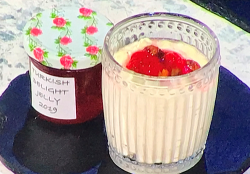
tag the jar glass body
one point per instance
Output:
(157, 124)
(87, 93)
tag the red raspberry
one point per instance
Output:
(155, 62)
(185, 70)
(145, 63)
(192, 65)
(173, 60)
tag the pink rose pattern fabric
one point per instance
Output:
(65, 40)
(93, 52)
(40, 54)
(91, 30)
(61, 24)
(85, 11)
(35, 31)
(66, 61)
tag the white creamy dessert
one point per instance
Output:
(153, 124)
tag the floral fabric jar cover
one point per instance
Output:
(68, 38)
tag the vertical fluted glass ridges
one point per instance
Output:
(158, 125)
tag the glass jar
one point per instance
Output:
(158, 124)
(64, 48)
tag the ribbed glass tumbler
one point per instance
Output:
(158, 124)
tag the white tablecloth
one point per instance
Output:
(234, 42)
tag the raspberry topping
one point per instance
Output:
(153, 61)
(145, 63)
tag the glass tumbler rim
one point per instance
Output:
(215, 58)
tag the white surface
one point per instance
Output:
(235, 43)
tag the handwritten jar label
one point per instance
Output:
(52, 96)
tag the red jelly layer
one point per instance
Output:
(87, 92)
(153, 61)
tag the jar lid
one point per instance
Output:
(66, 38)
